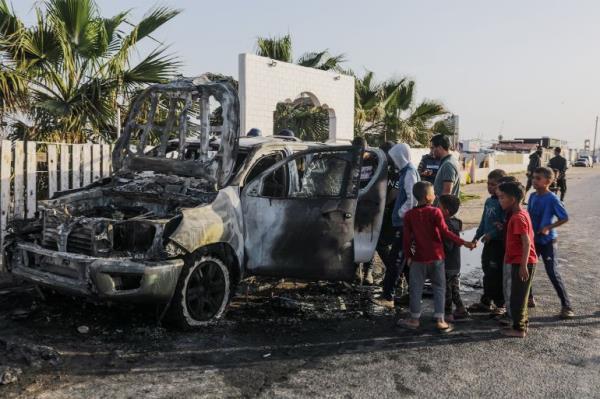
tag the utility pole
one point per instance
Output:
(595, 135)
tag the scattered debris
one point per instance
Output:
(266, 355)
(341, 303)
(9, 375)
(291, 304)
(83, 329)
(33, 355)
(20, 314)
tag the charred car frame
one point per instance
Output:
(188, 212)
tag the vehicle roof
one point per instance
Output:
(249, 143)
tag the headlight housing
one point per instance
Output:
(134, 236)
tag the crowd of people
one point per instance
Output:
(420, 238)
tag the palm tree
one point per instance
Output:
(68, 72)
(386, 111)
(304, 118)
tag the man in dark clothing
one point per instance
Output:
(386, 236)
(428, 167)
(535, 161)
(559, 165)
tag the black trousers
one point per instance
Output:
(529, 183)
(562, 186)
(393, 266)
(492, 261)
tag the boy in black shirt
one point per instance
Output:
(449, 204)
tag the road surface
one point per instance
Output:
(320, 340)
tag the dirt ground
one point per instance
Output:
(292, 339)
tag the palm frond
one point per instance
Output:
(155, 68)
(277, 48)
(322, 60)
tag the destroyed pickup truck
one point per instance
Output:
(190, 210)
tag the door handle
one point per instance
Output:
(345, 215)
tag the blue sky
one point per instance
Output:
(520, 68)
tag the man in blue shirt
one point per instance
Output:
(547, 213)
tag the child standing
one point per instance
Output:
(449, 204)
(547, 213)
(520, 254)
(492, 256)
(424, 226)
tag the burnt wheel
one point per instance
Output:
(202, 294)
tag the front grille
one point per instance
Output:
(50, 235)
(79, 240)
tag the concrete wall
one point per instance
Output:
(510, 163)
(264, 83)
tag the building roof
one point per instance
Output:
(514, 146)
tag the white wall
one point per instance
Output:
(264, 83)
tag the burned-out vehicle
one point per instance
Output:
(180, 223)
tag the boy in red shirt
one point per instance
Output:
(424, 226)
(520, 254)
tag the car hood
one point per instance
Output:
(180, 112)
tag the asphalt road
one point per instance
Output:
(317, 341)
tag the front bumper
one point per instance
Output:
(103, 278)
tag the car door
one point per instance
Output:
(370, 208)
(308, 231)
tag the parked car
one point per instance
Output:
(182, 223)
(583, 161)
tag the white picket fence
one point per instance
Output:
(67, 166)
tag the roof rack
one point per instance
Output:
(285, 138)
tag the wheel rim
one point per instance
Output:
(205, 291)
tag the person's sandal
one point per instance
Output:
(499, 311)
(444, 327)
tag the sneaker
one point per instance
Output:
(531, 302)
(384, 303)
(511, 332)
(368, 278)
(409, 324)
(566, 313)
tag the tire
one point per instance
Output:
(202, 293)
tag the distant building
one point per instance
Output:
(517, 145)
(544, 141)
(470, 145)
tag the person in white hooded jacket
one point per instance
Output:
(408, 176)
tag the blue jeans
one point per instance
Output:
(437, 274)
(548, 254)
